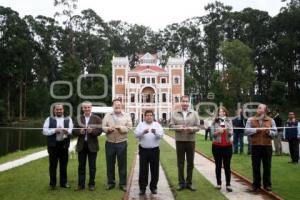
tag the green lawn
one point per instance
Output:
(285, 177)
(20, 154)
(31, 180)
(205, 190)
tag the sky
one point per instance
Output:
(155, 13)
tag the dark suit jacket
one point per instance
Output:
(92, 140)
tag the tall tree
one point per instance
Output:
(213, 26)
(286, 49)
(238, 74)
(16, 59)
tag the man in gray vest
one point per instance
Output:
(58, 130)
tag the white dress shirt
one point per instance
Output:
(87, 119)
(59, 124)
(149, 140)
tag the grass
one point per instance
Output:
(205, 189)
(31, 180)
(19, 154)
(285, 177)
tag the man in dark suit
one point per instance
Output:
(87, 144)
(58, 130)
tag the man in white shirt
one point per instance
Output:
(58, 130)
(149, 134)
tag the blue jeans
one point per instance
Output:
(238, 141)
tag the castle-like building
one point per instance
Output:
(148, 86)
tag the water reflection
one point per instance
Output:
(14, 140)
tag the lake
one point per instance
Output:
(15, 140)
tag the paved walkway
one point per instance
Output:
(207, 169)
(163, 189)
(29, 158)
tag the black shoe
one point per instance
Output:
(52, 187)
(142, 192)
(268, 188)
(253, 189)
(228, 188)
(65, 186)
(180, 187)
(109, 187)
(190, 187)
(79, 188)
(123, 188)
(154, 191)
(91, 187)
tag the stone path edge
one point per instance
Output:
(126, 194)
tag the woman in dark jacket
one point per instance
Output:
(222, 145)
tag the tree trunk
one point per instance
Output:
(21, 101)
(8, 101)
(25, 96)
(25, 99)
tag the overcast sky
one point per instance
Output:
(155, 13)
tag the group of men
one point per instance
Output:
(59, 128)
(261, 129)
(87, 127)
(184, 121)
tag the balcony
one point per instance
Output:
(137, 85)
(143, 105)
(132, 85)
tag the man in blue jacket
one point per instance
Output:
(291, 133)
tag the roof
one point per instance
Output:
(147, 56)
(142, 68)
